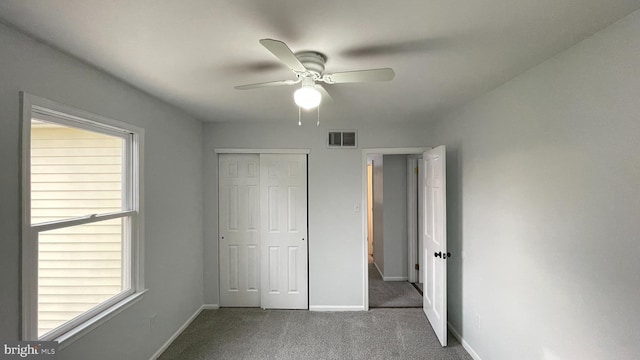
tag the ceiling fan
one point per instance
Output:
(308, 66)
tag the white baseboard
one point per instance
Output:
(395, 278)
(465, 344)
(182, 328)
(336, 308)
(390, 278)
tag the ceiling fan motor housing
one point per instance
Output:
(313, 62)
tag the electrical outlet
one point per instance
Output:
(356, 208)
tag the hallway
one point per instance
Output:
(391, 294)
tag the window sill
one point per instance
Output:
(79, 331)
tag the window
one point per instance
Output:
(82, 222)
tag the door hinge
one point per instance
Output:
(417, 266)
(415, 169)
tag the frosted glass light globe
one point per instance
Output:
(307, 97)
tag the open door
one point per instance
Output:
(434, 237)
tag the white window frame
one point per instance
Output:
(36, 107)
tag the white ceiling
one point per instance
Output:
(191, 53)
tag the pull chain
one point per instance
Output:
(300, 117)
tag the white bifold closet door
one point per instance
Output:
(263, 230)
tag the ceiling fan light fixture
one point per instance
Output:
(307, 97)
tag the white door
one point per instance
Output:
(239, 225)
(283, 197)
(435, 240)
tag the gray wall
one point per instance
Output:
(395, 217)
(543, 198)
(336, 243)
(173, 187)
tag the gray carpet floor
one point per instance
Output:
(237, 333)
(391, 293)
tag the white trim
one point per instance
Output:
(86, 319)
(47, 115)
(79, 331)
(137, 202)
(336, 308)
(464, 344)
(260, 151)
(364, 202)
(29, 241)
(210, 307)
(396, 151)
(55, 109)
(412, 217)
(59, 224)
(178, 332)
(395, 278)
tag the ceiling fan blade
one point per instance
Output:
(267, 84)
(326, 97)
(404, 47)
(282, 52)
(385, 74)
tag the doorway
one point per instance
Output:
(389, 225)
(416, 264)
(432, 228)
(262, 203)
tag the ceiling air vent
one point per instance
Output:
(342, 139)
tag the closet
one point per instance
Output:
(262, 222)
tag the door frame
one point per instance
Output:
(219, 151)
(365, 204)
(412, 217)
